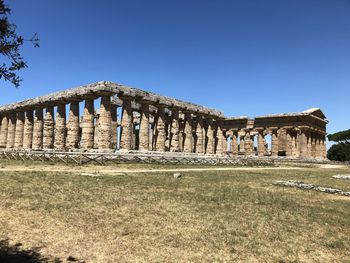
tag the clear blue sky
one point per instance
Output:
(243, 57)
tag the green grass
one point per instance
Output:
(212, 216)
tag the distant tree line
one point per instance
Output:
(341, 150)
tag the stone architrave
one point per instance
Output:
(127, 125)
(161, 133)
(19, 130)
(28, 130)
(38, 129)
(187, 134)
(49, 128)
(4, 131)
(60, 127)
(87, 125)
(73, 128)
(200, 142)
(144, 128)
(175, 131)
(11, 131)
(105, 121)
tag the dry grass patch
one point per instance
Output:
(208, 216)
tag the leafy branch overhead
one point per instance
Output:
(342, 136)
(10, 44)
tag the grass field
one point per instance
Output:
(205, 216)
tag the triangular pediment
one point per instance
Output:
(316, 112)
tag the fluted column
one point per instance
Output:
(28, 130)
(11, 131)
(248, 144)
(175, 131)
(187, 134)
(38, 129)
(303, 143)
(127, 125)
(144, 128)
(73, 128)
(234, 143)
(220, 139)
(274, 142)
(87, 125)
(114, 126)
(210, 137)
(161, 134)
(261, 143)
(105, 121)
(19, 130)
(200, 142)
(288, 143)
(4, 130)
(60, 127)
(49, 128)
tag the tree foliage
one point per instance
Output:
(342, 136)
(10, 44)
(341, 150)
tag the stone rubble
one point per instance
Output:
(305, 186)
(342, 176)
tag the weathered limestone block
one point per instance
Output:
(127, 125)
(38, 129)
(87, 125)
(28, 130)
(19, 130)
(144, 128)
(114, 127)
(60, 127)
(274, 142)
(73, 128)
(11, 131)
(200, 142)
(161, 133)
(210, 137)
(105, 121)
(4, 130)
(175, 130)
(261, 143)
(187, 135)
(49, 128)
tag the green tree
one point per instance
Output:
(10, 44)
(341, 150)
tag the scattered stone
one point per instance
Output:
(305, 186)
(177, 175)
(342, 176)
(90, 174)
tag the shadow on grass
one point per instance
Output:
(16, 254)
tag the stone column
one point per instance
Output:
(19, 130)
(127, 125)
(220, 138)
(175, 131)
(60, 127)
(210, 137)
(297, 143)
(248, 144)
(105, 121)
(87, 125)
(38, 129)
(312, 145)
(73, 128)
(144, 128)
(4, 130)
(200, 142)
(28, 130)
(261, 143)
(303, 142)
(161, 135)
(289, 142)
(274, 142)
(114, 127)
(234, 143)
(49, 128)
(187, 134)
(11, 131)
(241, 141)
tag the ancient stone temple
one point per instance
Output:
(109, 117)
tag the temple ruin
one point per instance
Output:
(132, 120)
